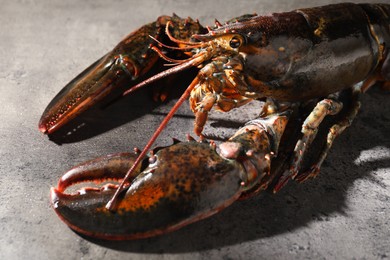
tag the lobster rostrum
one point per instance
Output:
(288, 59)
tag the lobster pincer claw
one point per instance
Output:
(91, 86)
(181, 184)
(178, 185)
(125, 65)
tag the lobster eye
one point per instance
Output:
(235, 42)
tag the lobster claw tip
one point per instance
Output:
(54, 197)
(84, 91)
(43, 129)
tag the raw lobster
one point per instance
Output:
(287, 59)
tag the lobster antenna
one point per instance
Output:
(168, 33)
(186, 47)
(193, 62)
(112, 204)
(163, 56)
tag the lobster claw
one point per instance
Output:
(125, 65)
(181, 184)
(89, 87)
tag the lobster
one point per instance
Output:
(288, 60)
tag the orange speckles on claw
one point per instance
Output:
(144, 199)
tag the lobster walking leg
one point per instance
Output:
(334, 131)
(309, 130)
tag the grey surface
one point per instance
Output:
(344, 213)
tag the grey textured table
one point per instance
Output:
(344, 213)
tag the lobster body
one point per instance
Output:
(298, 55)
(307, 59)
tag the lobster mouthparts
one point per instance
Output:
(181, 184)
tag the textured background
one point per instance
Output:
(344, 213)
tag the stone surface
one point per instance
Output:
(342, 214)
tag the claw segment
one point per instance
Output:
(76, 96)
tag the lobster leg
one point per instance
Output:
(334, 131)
(386, 71)
(310, 127)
